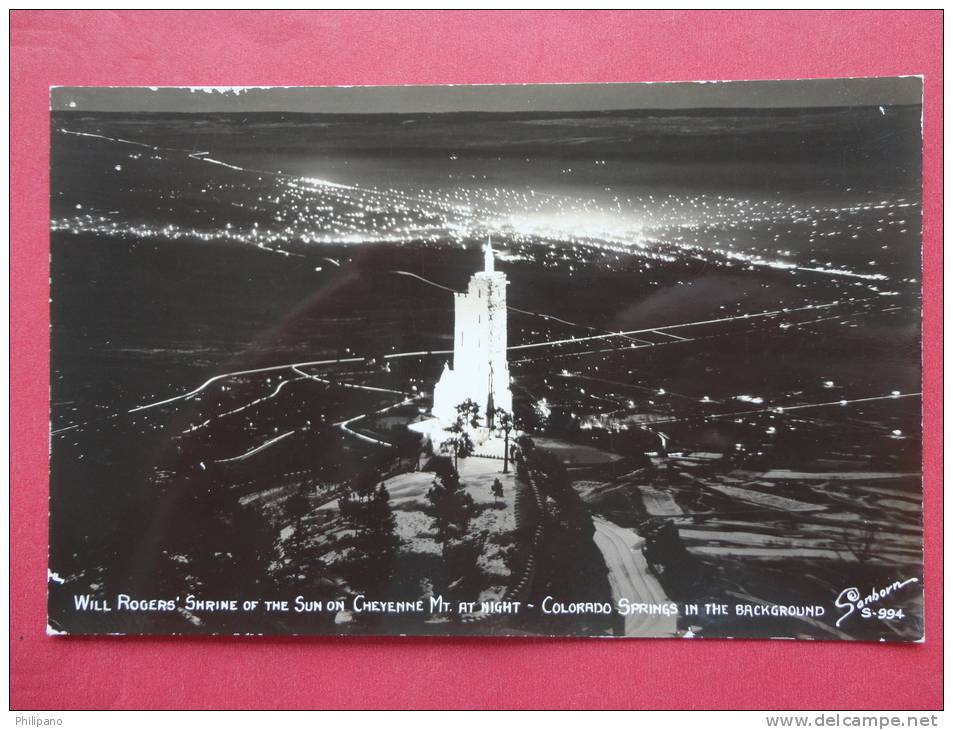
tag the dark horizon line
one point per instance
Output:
(534, 97)
(721, 111)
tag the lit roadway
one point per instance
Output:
(629, 578)
(296, 368)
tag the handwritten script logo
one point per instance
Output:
(850, 600)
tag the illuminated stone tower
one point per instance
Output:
(480, 371)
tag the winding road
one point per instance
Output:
(629, 578)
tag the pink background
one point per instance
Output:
(360, 47)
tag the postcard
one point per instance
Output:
(607, 360)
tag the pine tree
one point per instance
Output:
(459, 442)
(505, 422)
(367, 511)
(450, 504)
(469, 412)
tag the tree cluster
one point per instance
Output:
(372, 544)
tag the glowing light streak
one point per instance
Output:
(574, 340)
(802, 406)
(237, 373)
(257, 449)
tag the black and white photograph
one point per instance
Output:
(588, 360)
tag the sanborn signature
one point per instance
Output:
(850, 599)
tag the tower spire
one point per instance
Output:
(488, 256)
